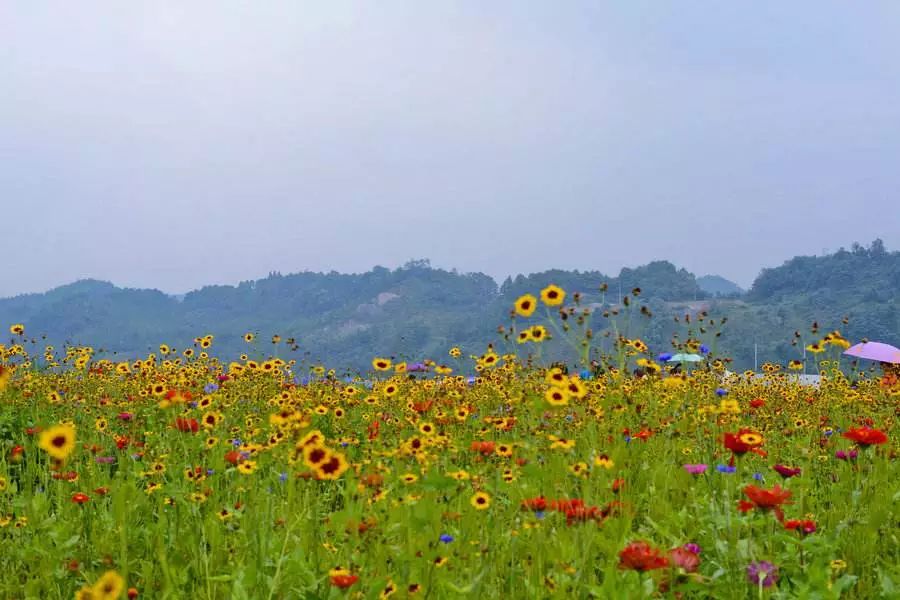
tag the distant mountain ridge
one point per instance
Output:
(417, 311)
(719, 286)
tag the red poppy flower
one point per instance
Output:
(772, 499)
(187, 425)
(757, 403)
(804, 527)
(16, 454)
(79, 498)
(641, 556)
(866, 436)
(233, 457)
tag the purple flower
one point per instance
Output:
(725, 469)
(446, 538)
(664, 357)
(695, 469)
(210, 388)
(704, 349)
(721, 392)
(762, 572)
(105, 460)
(758, 476)
(692, 547)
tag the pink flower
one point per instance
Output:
(684, 558)
(125, 416)
(695, 469)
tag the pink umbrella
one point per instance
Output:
(875, 351)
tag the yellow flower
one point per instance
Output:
(525, 305)
(481, 500)
(58, 441)
(553, 295)
(17, 329)
(247, 467)
(604, 462)
(109, 587)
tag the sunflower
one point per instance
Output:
(315, 454)
(480, 500)
(247, 466)
(58, 441)
(553, 295)
(100, 424)
(525, 305)
(538, 333)
(381, 364)
(556, 396)
(409, 478)
(332, 468)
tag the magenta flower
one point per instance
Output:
(787, 472)
(848, 455)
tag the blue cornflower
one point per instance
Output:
(539, 514)
(210, 471)
(704, 349)
(627, 438)
(725, 469)
(446, 538)
(210, 388)
(665, 356)
(721, 392)
(283, 477)
(236, 442)
(758, 476)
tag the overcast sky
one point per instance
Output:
(176, 144)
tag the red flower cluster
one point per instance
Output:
(641, 556)
(575, 509)
(484, 448)
(866, 436)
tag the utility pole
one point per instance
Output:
(755, 357)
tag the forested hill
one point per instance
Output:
(417, 311)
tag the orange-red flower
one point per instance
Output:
(483, 447)
(79, 498)
(187, 425)
(641, 556)
(866, 436)
(772, 499)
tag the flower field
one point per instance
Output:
(180, 476)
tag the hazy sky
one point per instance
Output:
(174, 144)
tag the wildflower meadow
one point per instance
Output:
(484, 473)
